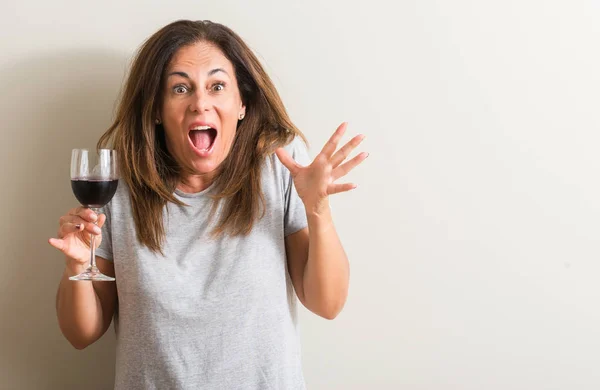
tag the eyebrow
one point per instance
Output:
(185, 75)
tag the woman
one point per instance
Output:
(210, 237)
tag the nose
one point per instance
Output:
(200, 101)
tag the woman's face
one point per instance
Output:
(200, 109)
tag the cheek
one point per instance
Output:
(172, 110)
(231, 110)
(230, 129)
(174, 143)
(172, 115)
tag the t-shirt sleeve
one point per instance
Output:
(105, 248)
(295, 214)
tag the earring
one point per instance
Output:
(241, 116)
(157, 121)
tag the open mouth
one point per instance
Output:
(203, 137)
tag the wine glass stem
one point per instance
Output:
(93, 245)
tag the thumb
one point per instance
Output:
(57, 243)
(287, 161)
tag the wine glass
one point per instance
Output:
(94, 180)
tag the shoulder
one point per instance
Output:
(275, 174)
(297, 147)
(298, 150)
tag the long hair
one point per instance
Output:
(146, 166)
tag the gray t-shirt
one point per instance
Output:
(212, 313)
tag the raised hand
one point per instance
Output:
(315, 182)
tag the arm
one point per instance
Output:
(85, 309)
(318, 266)
(317, 261)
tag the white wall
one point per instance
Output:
(473, 235)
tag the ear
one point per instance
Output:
(158, 118)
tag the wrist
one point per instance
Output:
(319, 219)
(73, 267)
(319, 209)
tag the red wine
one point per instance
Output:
(94, 193)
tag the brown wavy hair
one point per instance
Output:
(146, 166)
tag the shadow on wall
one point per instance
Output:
(49, 105)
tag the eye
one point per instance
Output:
(218, 87)
(180, 89)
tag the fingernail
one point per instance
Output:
(97, 230)
(93, 217)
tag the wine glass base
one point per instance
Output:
(91, 274)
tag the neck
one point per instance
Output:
(195, 183)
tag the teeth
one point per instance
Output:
(201, 128)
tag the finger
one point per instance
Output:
(57, 243)
(69, 218)
(343, 169)
(288, 161)
(85, 213)
(74, 219)
(337, 188)
(331, 145)
(75, 211)
(78, 211)
(345, 151)
(69, 228)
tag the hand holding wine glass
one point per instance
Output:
(75, 228)
(94, 186)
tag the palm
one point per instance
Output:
(77, 245)
(315, 182)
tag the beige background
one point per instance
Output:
(473, 235)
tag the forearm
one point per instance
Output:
(78, 310)
(326, 275)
